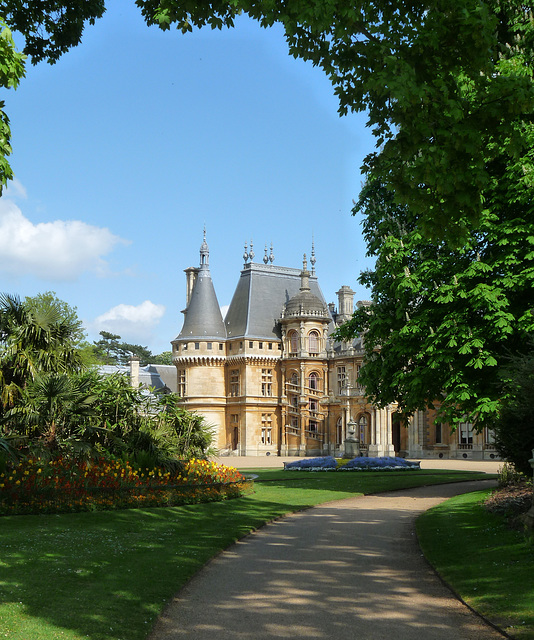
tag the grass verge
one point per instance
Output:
(107, 575)
(487, 564)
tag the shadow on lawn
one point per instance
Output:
(107, 575)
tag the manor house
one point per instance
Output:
(272, 381)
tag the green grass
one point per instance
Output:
(107, 575)
(489, 566)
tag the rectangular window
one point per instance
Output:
(221, 346)
(267, 382)
(250, 344)
(313, 426)
(184, 346)
(197, 345)
(240, 345)
(270, 345)
(266, 428)
(230, 347)
(465, 431)
(234, 382)
(279, 346)
(234, 418)
(312, 404)
(341, 380)
(181, 383)
(260, 345)
(438, 432)
(210, 345)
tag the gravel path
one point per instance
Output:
(346, 570)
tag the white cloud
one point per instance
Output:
(132, 323)
(60, 250)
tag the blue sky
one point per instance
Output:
(136, 139)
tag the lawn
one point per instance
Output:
(490, 566)
(107, 575)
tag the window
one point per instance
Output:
(270, 345)
(294, 379)
(362, 422)
(266, 428)
(210, 345)
(234, 418)
(295, 401)
(267, 382)
(279, 347)
(230, 347)
(234, 382)
(313, 380)
(240, 345)
(465, 432)
(312, 404)
(437, 426)
(260, 345)
(489, 436)
(250, 344)
(312, 426)
(339, 430)
(221, 346)
(181, 383)
(341, 380)
(358, 367)
(197, 345)
(293, 341)
(184, 346)
(313, 342)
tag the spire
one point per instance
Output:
(265, 257)
(313, 260)
(245, 255)
(251, 253)
(271, 255)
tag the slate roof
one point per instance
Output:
(148, 376)
(203, 319)
(260, 295)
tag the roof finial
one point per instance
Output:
(271, 255)
(245, 255)
(304, 276)
(265, 257)
(313, 260)
(251, 253)
(204, 252)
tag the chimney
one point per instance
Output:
(190, 278)
(134, 371)
(345, 304)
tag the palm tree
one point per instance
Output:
(33, 340)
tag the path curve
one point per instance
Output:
(350, 569)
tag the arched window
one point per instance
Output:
(293, 342)
(313, 342)
(313, 380)
(294, 378)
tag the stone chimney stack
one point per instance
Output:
(134, 371)
(345, 305)
(191, 274)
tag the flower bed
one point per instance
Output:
(328, 463)
(35, 486)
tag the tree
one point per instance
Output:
(514, 428)
(447, 86)
(162, 358)
(34, 339)
(443, 321)
(110, 351)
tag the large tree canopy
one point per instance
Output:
(442, 322)
(447, 84)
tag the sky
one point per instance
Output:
(135, 140)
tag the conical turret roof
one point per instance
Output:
(203, 319)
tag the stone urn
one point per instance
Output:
(352, 443)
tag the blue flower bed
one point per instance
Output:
(379, 464)
(327, 463)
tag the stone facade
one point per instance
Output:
(272, 381)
